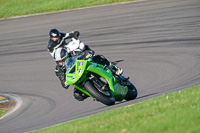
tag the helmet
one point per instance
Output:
(54, 35)
(60, 54)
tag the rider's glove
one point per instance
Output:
(89, 54)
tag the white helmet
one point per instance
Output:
(60, 54)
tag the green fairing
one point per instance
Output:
(118, 91)
(72, 78)
(78, 72)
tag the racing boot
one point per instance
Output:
(116, 70)
(60, 73)
(78, 95)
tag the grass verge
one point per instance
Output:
(2, 112)
(176, 112)
(11, 8)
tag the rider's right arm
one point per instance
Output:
(72, 34)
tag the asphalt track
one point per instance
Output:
(157, 41)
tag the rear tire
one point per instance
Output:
(132, 93)
(89, 87)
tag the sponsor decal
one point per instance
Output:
(81, 63)
(79, 72)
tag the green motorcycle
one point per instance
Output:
(97, 81)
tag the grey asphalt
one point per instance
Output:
(157, 42)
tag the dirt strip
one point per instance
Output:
(8, 104)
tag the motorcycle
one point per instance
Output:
(97, 81)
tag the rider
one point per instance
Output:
(60, 56)
(59, 49)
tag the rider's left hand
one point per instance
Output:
(89, 54)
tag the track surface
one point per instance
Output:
(158, 41)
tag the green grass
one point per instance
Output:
(11, 8)
(2, 112)
(177, 112)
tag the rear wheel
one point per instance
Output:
(132, 92)
(89, 87)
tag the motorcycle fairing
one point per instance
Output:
(117, 91)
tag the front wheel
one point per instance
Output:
(89, 87)
(132, 92)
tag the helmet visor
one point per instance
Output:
(54, 38)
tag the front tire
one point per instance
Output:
(89, 87)
(132, 93)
